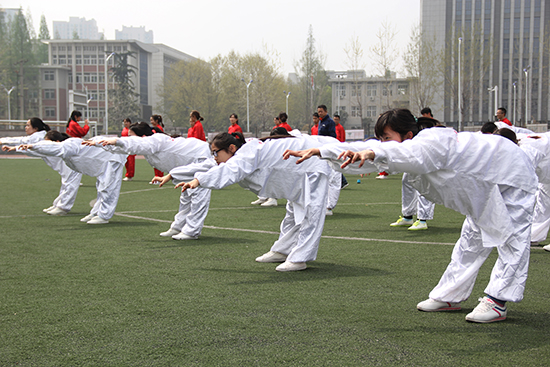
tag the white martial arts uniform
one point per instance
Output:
(412, 203)
(165, 154)
(259, 166)
(539, 152)
(70, 180)
(106, 167)
(517, 130)
(472, 174)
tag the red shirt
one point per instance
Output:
(196, 132)
(315, 130)
(506, 121)
(124, 132)
(340, 133)
(235, 129)
(76, 131)
(285, 125)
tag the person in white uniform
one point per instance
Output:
(470, 173)
(36, 130)
(257, 165)
(412, 203)
(106, 167)
(172, 155)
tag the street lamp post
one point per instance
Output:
(459, 87)
(339, 76)
(494, 89)
(9, 105)
(514, 112)
(287, 95)
(107, 94)
(247, 106)
(526, 71)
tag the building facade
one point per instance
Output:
(359, 98)
(79, 66)
(134, 33)
(79, 27)
(496, 55)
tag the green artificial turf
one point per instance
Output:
(73, 294)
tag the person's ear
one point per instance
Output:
(409, 135)
(232, 148)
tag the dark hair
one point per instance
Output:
(323, 107)
(503, 111)
(315, 114)
(197, 115)
(224, 140)
(279, 131)
(73, 117)
(38, 124)
(283, 116)
(402, 121)
(426, 110)
(336, 115)
(55, 135)
(158, 119)
(235, 116)
(507, 133)
(489, 128)
(127, 119)
(141, 129)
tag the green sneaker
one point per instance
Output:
(402, 222)
(418, 226)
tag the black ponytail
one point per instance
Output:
(38, 124)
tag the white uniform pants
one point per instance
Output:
(108, 190)
(509, 273)
(192, 211)
(334, 187)
(70, 183)
(413, 203)
(541, 219)
(301, 241)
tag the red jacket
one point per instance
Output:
(196, 131)
(340, 133)
(506, 121)
(315, 130)
(234, 129)
(285, 125)
(76, 131)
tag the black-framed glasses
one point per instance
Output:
(215, 152)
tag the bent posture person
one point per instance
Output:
(470, 173)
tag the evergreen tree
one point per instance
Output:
(123, 96)
(42, 48)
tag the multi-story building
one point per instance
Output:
(134, 33)
(502, 47)
(79, 65)
(359, 98)
(84, 29)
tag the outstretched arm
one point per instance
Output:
(162, 180)
(188, 185)
(303, 154)
(352, 157)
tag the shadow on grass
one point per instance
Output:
(203, 241)
(315, 271)
(347, 216)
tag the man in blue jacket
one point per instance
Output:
(327, 127)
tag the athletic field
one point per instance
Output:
(73, 294)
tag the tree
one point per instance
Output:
(124, 97)
(419, 60)
(384, 55)
(354, 54)
(43, 34)
(312, 88)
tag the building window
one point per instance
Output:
(70, 79)
(355, 111)
(78, 60)
(371, 111)
(341, 90)
(402, 89)
(49, 75)
(49, 112)
(386, 90)
(62, 60)
(356, 89)
(371, 90)
(78, 78)
(49, 93)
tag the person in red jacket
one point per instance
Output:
(315, 127)
(158, 126)
(234, 128)
(196, 130)
(282, 121)
(340, 131)
(74, 130)
(131, 160)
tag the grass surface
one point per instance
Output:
(73, 294)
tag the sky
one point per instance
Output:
(206, 28)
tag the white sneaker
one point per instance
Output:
(402, 222)
(381, 177)
(431, 305)
(258, 202)
(57, 212)
(183, 236)
(97, 220)
(154, 183)
(547, 247)
(329, 212)
(418, 226)
(48, 209)
(270, 202)
(127, 179)
(290, 266)
(271, 257)
(487, 311)
(169, 233)
(87, 218)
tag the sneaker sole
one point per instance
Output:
(417, 229)
(486, 321)
(443, 309)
